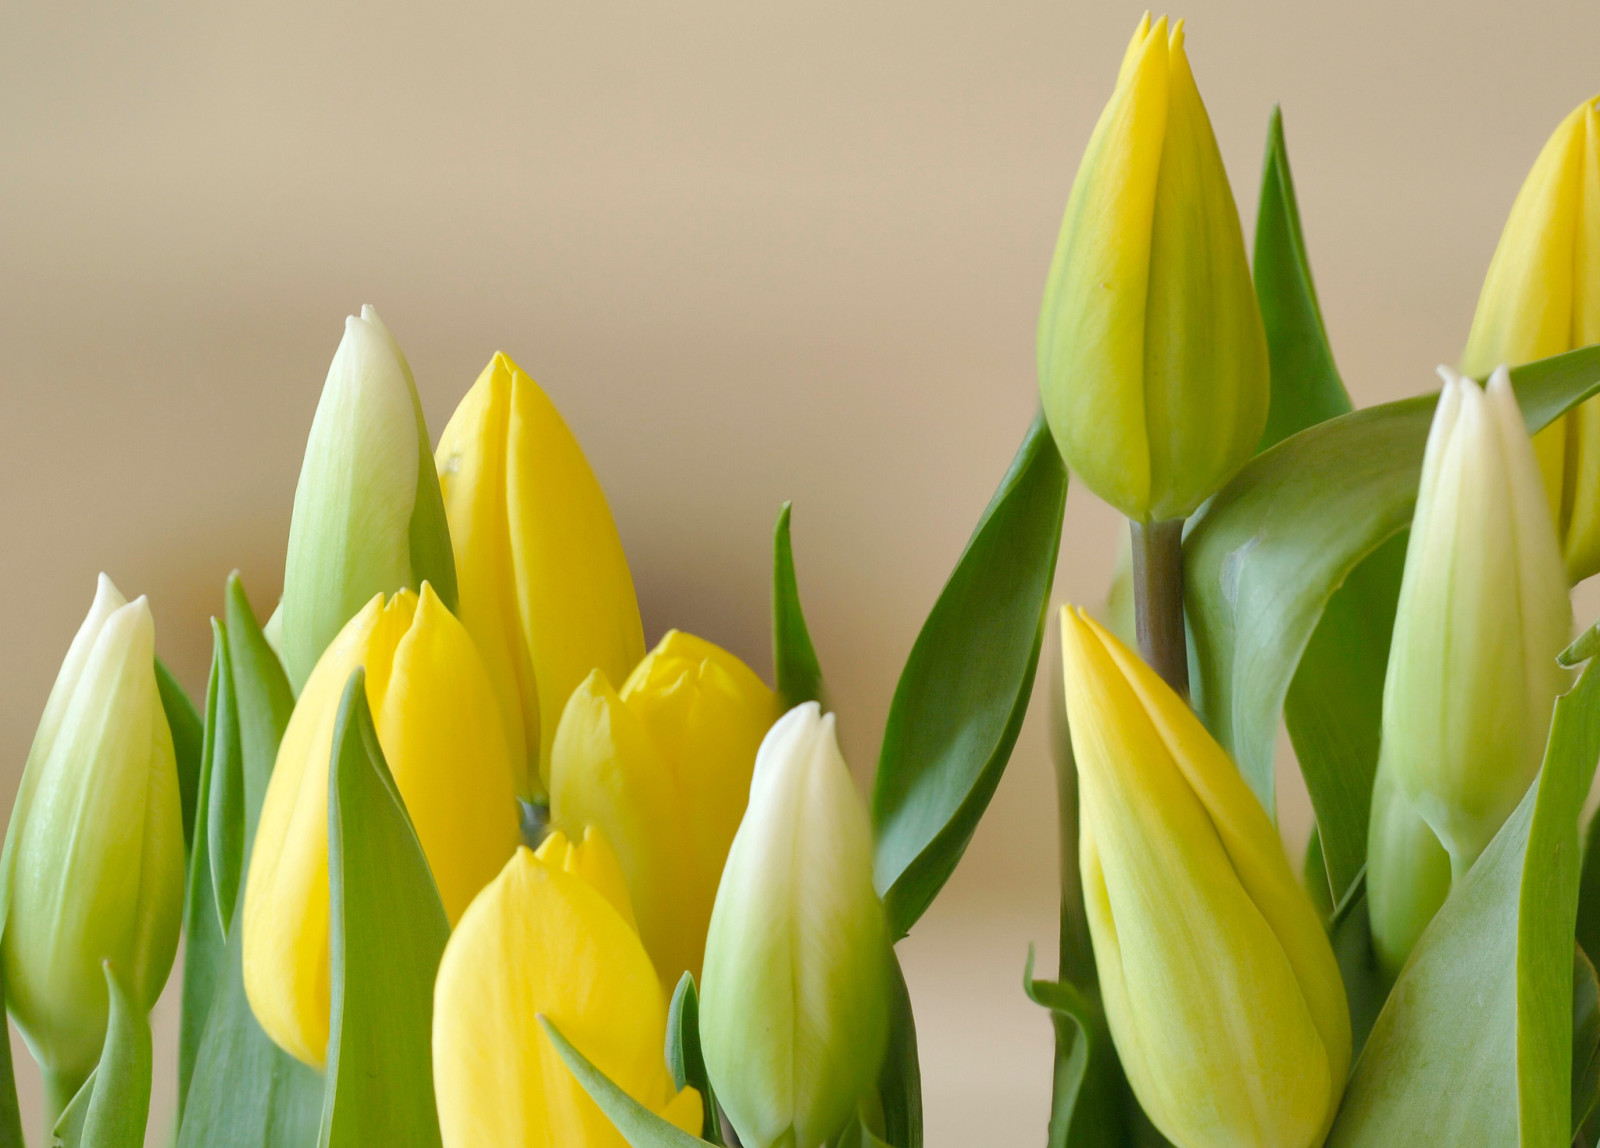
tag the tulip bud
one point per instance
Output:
(93, 868)
(1542, 297)
(1152, 356)
(540, 941)
(367, 513)
(440, 732)
(1221, 991)
(1472, 675)
(794, 1013)
(664, 770)
(545, 588)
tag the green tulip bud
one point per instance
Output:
(1152, 356)
(794, 1012)
(1472, 675)
(93, 868)
(368, 515)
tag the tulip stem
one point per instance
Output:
(1158, 599)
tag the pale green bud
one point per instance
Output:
(1472, 674)
(1152, 356)
(93, 868)
(368, 515)
(794, 1009)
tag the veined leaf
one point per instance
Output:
(187, 732)
(794, 658)
(113, 1106)
(900, 1078)
(388, 932)
(1263, 558)
(1474, 1045)
(640, 1127)
(684, 1057)
(965, 688)
(265, 701)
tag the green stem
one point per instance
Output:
(59, 1089)
(1158, 599)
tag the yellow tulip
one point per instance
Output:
(593, 859)
(1221, 990)
(1152, 355)
(544, 584)
(541, 941)
(663, 769)
(440, 731)
(1542, 297)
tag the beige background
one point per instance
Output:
(753, 251)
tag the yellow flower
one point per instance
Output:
(1542, 297)
(544, 584)
(541, 941)
(93, 861)
(1221, 990)
(440, 732)
(663, 769)
(1152, 356)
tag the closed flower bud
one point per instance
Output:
(1221, 990)
(541, 941)
(367, 513)
(1472, 675)
(1152, 356)
(1542, 297)
(441, 735)
(794, 1009)
(663, 768)
(545, 587)
(93, 868)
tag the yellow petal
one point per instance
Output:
(472, 475)
(542, 942)
(595, 861)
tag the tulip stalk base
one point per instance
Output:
(1158, 599)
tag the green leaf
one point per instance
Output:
(187, 731)
(640, 1127)
(264, 699)
(793, 656)
(684, 1057)
(223, 813)
(965, 688)
(1585, 1040)
(1088, 1096)
(1474, 1045)
(1306, 388)
(113, 1106)
(433, 559)
(1264, 557)
(388, 931)
(204, 945)
(10, 1114)
(1588, 932)
(900, 1078)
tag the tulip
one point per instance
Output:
(1472, 676)
(545, 588)
(1221, 990)
(367, 513)
(541, 941)
(663, 768)
(1152, 356)
(435, 715)
(93, 868)
(1542, 297)
(591, 858)
(794, 1014)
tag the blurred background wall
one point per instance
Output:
(753, 251)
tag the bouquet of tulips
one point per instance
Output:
(457, 862)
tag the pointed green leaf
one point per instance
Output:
(388, 931)
(264, 700)
(640, 1127)
(224, 813)
(900, 1079)
(1589, 890)
(1585, 1040)
(432, 558)
(113, 1106)
(1263, 558)
(1474, 1045)
(965, 688)
(203, 945)
(794, 658)
(10, 1115)
(1087, 1098)
(684, 1058)
(187, 732)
